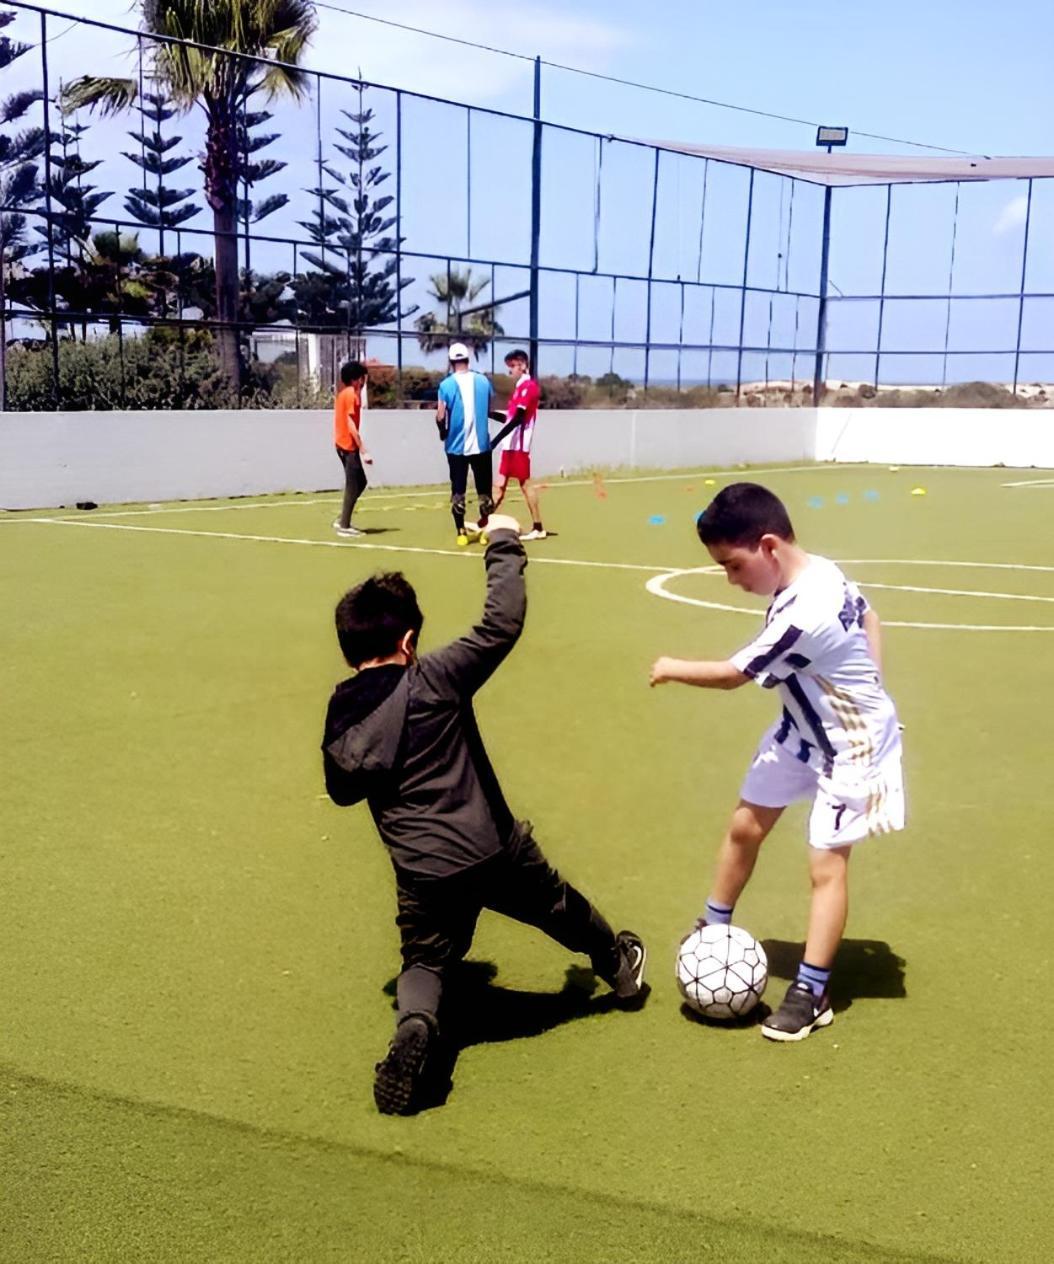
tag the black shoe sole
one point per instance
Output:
(398, 1075)
(624, 993)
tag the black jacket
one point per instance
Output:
(406, 740)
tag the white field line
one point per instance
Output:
(915, 561)
(555, 481)
(661, 575)
(15, 515)
(657, 587)
(333, 544)
(954, 592)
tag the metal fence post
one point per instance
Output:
(398, 247)
(52, 322)
(882, 289)
(821, 314)
(743, 290)
(1021, 296)
(651, 266)
(536, 211)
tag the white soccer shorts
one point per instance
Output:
(845, 809)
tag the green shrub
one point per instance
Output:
(561, 392)
(616, 388)
(107, 373)
(978, 395)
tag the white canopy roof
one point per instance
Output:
(846, 168)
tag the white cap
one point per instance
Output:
(458, 351)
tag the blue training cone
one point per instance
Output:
(656, 520)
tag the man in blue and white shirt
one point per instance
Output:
(461, 415)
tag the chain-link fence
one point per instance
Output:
(194, 228)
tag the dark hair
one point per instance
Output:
(351, 372)
(373, 617)
(741, 514)
(518, 354)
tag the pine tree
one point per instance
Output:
(157, 205)
(252, 172)
(19, 171)
(356, 286)
(73, 202)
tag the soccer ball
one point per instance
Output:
(722, 971)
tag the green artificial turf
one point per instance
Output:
(195, 945)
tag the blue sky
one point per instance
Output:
(965, 75)
(961, 73)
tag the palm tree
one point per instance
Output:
(202, 72)
(458, 290)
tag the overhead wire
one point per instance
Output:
(626, 83)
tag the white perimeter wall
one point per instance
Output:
(53, 459)
(936, 436)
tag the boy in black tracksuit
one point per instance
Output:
(401, 734)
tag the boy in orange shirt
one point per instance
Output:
(347, 415)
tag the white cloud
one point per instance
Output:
(387, 55)
(1012, 216)
(346, 45)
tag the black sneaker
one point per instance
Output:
(800, 1014)
(399, 1074)
(627, 978)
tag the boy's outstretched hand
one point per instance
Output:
(660, 671)
(502, 522)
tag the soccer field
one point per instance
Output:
(197, 948)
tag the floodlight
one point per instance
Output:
(832, 136)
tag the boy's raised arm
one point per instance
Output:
(468, 662)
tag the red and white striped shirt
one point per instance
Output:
(526, 395)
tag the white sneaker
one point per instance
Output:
(534, 534)
(347, 531)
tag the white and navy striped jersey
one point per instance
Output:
(837, 718)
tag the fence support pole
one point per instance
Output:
(821, 314)
(743, 291)
(398, 247)
(53, 322)
(1021, 296)
(651, 268)
(882, 290)
(536, 211)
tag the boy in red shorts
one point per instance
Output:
(516, 448)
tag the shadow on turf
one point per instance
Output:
(760, 1012)
(864, 968)
(475, 1012)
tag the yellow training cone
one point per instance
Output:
(918, 491)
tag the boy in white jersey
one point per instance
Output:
(837, 741)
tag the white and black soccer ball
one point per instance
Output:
(722, 971)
